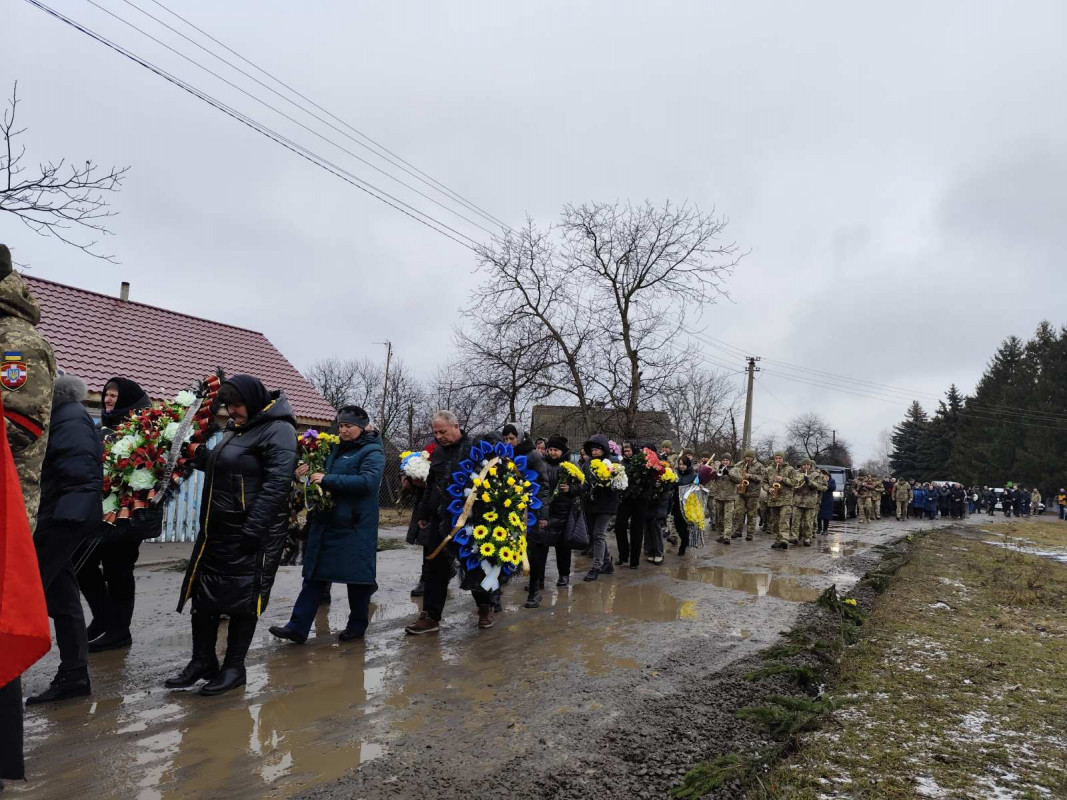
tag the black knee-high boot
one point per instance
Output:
(242, 628)
(205, 662)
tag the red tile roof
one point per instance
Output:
(162, 350)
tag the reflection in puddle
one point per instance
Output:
(646, 602)
(756, 583)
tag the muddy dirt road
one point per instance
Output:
(396, 716)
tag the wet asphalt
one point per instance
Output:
(312, 714)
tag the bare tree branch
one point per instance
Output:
(55, 198)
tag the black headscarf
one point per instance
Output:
(131, 397)
(251, 390)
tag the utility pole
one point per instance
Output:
(385, 385)
(746, 436)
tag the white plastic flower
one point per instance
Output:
(111, 503)
(124, 446)
(185, 399)
(141, 479)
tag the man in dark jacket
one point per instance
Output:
(433, 519)
(559, 493)
(106, 574)
(243, 526)
(70, 510)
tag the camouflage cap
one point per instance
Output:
(779, 454)
(807, 461)
(665, 444)
(726, 457)
(5, 261)
(750, 454)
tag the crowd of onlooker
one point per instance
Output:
(952, 500)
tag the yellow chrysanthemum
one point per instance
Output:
(480, 532)
(405, 454)
(485, 497)
(507, 503)
(490, 516)
(522, 506)
(525, 498)
(526, 484)
(477, 482)
(500, 534)
(487, 549)
(574, 471)
(492, 471)
(511, 480)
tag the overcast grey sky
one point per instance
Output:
(898, 172)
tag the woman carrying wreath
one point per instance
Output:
(106, 575)
(342, 543)
(243, 525)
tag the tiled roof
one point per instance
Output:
(162, 350)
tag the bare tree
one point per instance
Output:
(361, 382)
(649, 266)
(698, 402)
(507, 361)
(811, 437)
(56, 197)
(451, 389)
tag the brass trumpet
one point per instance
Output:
(776, 489)
(742, 487)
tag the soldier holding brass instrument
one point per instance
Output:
(748, 491)
(778, 477)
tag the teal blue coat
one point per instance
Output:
(342, 544)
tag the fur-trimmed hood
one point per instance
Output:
(68, 389)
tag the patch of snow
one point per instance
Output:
(927, 787)
(940, 605)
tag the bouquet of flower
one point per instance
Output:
(494, 495)
(150, 451)
(608, 475)
(644, 470)
(415, 466)
(313, 448)
(571, 473)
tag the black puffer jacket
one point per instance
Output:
(433, 508)
(243, 513)
(71, 477)
(536, 462)
(598, 499)
(559, 507)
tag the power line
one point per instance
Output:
(982, 416)
(416, 172)
(281, 113)
(262, 129)
(898, 394)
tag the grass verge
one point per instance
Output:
(1039, 531)
(955, 687)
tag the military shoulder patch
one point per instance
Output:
(13, 372)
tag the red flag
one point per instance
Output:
(24, 633)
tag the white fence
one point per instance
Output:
(182, 515)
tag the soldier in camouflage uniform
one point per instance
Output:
(724, 490)
(780, 499)
(902, 495)
(876, 497)
(27, 373)
(748, 503)
(863, 499)
(809, 486)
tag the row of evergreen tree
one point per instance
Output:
(1014, 427)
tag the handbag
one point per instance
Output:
(575, 534)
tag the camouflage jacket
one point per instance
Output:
(754, 473)
(26, 377)
(725, 487)
(902, 491)
(809, 488)
(783, 475)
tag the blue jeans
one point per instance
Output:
(307, 604)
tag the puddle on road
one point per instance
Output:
(754, 583)
(645, 602)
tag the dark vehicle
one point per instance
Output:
(844, 503)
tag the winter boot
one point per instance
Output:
(205, 662)
(564, 580)
(591, 575)
(608, 568)
(287, 633)
(242, 629)
(63, 687)
(534, 599)
(485, 617)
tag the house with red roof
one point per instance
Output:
(164, 351)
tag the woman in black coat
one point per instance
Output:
(601, 503)
(243, 525)
(826, 503)
(71, 496)
(106, 575)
